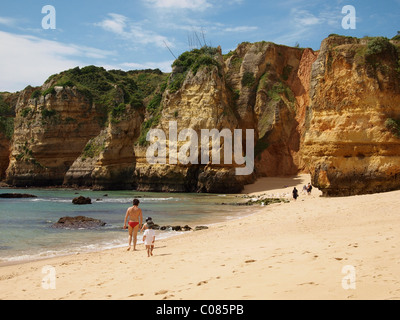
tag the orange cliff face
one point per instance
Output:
(5, 145)
(50, 132)
(260, 86)
(7, 116)
(348, 147)
(325, 113)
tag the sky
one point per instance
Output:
(36, 42)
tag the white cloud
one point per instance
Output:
(28, 60)
(164, 66)
(241, 29)
(200, 5)
(116, 24)
(306, 18)
(9, 22)
(128, 30)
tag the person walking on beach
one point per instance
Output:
(309, 189)
(295, 193)
(149, 238)
(135, 217)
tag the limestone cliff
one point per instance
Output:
(50, 132)
(334, 113)
(255, 87)
(7, 115)
(108, 160)
(355, 91)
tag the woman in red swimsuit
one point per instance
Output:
(135, 216)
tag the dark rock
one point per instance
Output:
(16, 195)
(82, 200)
(198, 228)
(175, 228)
(79, 222)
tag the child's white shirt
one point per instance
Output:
(150, 234)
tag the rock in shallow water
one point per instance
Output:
(16, 195)
(82, 200)
(79, 222)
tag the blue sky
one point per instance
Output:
(135, 34)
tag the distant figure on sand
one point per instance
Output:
(149, 238)
(304, 189)
(295, 193)
(309, 189)
(135, 217)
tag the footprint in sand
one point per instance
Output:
(161, 292)
(308, 283)
(201, 283)
(250, 261)
(136, 295)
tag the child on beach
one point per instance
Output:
(149, 238)
(149, 222)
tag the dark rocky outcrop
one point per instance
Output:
(79, 222)
(82, 201)
(16, 195)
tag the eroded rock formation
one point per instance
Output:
(334, 113)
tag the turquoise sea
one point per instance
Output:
(26, 231)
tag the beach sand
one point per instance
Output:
(295, 250)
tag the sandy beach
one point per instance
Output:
(312, 248)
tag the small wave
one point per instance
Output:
(88, 248)
(105, 200)
(51, 200)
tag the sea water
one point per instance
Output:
(26, 231)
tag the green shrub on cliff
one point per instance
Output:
(117, 112)
(6, 119)
(146, 126)
(397, 37)
(36, 94)
(393, 126)
(378, 46)
(108, 89)
(50, 90)
(248, 80)
(191, 61)
(7, 126)
(93, 149)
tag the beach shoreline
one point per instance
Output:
(290, 251)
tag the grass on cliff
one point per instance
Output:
(393, 126)
(109, 90)
(6, 119)
(379, 54)
(93, 149)
(191, 61)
